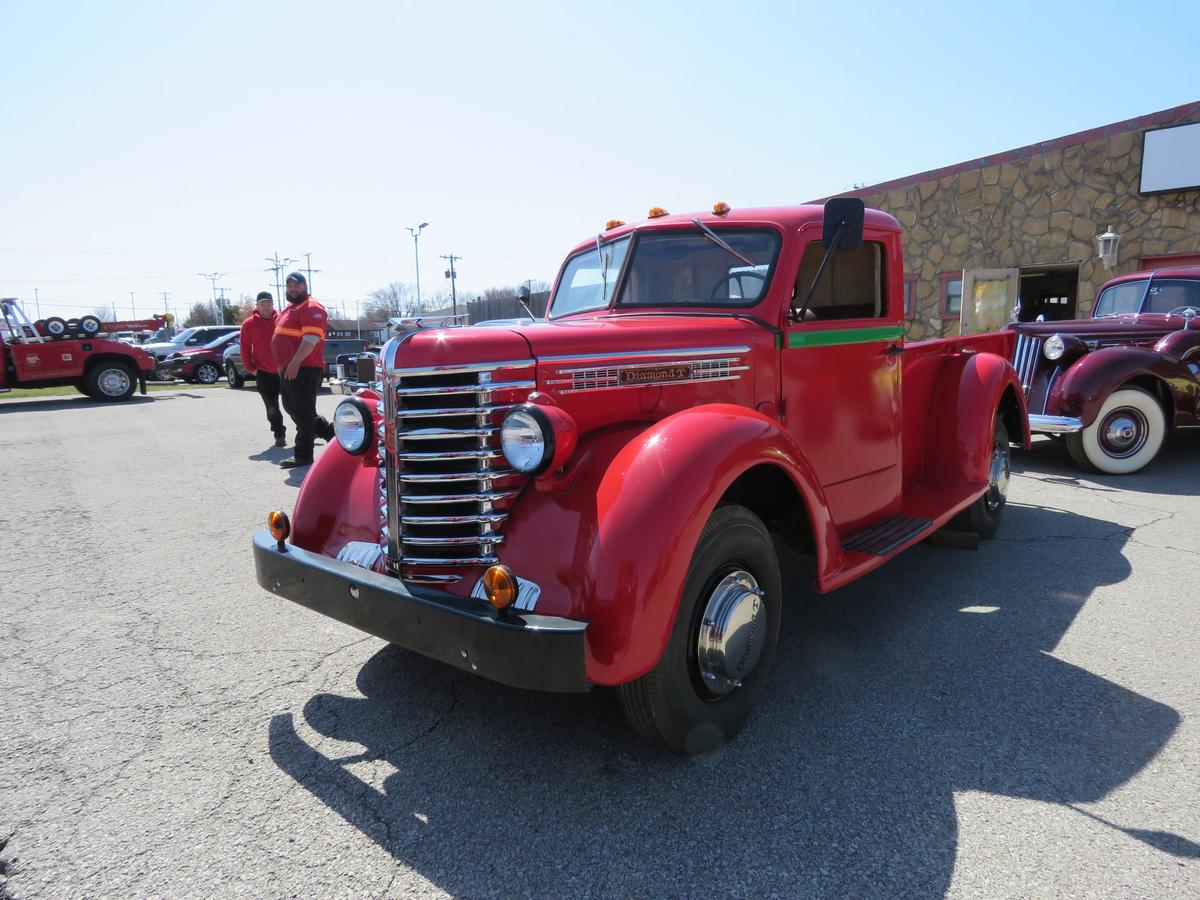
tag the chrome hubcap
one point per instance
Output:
(208, 374)
(113, 382)
(1123, 433)
(998, 476)
(732, 633)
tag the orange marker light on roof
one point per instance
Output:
(613, 223)
(720, 208)
(656, 212)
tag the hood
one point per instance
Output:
(1145, 327)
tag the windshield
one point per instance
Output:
(217, 342)
(182, 336)
(1120, 299)
(589, 279)
(688, 268)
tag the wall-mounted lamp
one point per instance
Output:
(1106, 247)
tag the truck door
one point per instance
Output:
(840, 373)
(989, 297)
(47, 360)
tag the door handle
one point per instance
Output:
(894, 350)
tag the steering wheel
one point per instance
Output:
(725, 279)
(1185, 311)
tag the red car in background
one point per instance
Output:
(203, 365)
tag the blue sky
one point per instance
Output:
(144, 143)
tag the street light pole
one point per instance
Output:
(416, 234)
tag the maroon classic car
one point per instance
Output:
(1113, 385)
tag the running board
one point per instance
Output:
(884, 537)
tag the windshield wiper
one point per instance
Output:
(712, 236)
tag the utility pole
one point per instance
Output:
(309, 270)
(132, 308)
(214, 277)
(37, 301)
(114, 306)
(416, 234)
(453, 276)
(222, 306)
(277, 266)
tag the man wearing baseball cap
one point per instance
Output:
(258, 332)
(299, 348)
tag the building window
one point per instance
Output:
(951, 294)
(910, 296)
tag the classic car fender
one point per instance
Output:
(961, 445)
(613, 544)
(339, 500)
(1081, 390)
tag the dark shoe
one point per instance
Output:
(280, 440)
(295, 463)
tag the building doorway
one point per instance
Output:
(1049, 292)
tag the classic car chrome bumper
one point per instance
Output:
(520, 649)
(1055, 424)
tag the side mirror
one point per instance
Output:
(523, 293)
(843, 225)
(366, 367)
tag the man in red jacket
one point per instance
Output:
(259, 361)
(299, 348)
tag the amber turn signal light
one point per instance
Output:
(613, 223)
(656, 212)
(720, 208)
(500, 586)
(279, 525)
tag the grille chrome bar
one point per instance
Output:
(445, 434)
(469, 540)
(482, 496)
(435, 478)
(465, 389)
(447, 561)
(1025, 358)
(481, 518)
(449, 455)
(457, 411)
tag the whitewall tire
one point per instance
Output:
(1128, 432)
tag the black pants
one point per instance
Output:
(300, 401)
(268, 389)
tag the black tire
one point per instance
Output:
(56, 327)
(235, 380)
(73, 329)
(89, 325)
(82, 388)
(207, 373)
(673, 705)
(110, 381)
(983, 516)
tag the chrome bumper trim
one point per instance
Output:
(1055, 424)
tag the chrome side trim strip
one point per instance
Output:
(642, 354)
(1055, 424)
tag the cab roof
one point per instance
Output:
(1177, 272)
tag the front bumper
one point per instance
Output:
(1055, 424)
(524, 650)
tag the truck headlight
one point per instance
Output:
(352, 423)
(527, 439)
(1054, 347)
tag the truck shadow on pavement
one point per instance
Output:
(928, 677)
(81, 402)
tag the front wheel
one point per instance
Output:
(207, 373)
(718, 656)
(1127, 434)
(983, 516)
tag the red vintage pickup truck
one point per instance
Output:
(596, 499)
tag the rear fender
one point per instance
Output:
(1082, 390)
(962, 447)
(615, 547)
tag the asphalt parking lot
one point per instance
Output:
(1021, 719)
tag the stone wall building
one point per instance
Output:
(1035, 213)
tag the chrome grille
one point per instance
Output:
(447, 487)
(1025, 359)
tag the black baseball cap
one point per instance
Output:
(296, 276)
(264, 295)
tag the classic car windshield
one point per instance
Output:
(1157, 295)
(687, 268)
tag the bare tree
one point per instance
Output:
(200, 314)
(397, 299)
(104, 313)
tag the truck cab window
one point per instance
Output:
(851, 288)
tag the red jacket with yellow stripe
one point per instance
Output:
(291, 325)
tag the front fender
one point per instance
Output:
(1082, 389)
(614, 547)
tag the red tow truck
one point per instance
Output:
(597, 499)
(56, 352)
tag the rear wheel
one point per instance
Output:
(110, 381)
(207, 373)
(718, 656)
(231, 375)
(1128, 432)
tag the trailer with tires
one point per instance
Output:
(55, 352)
